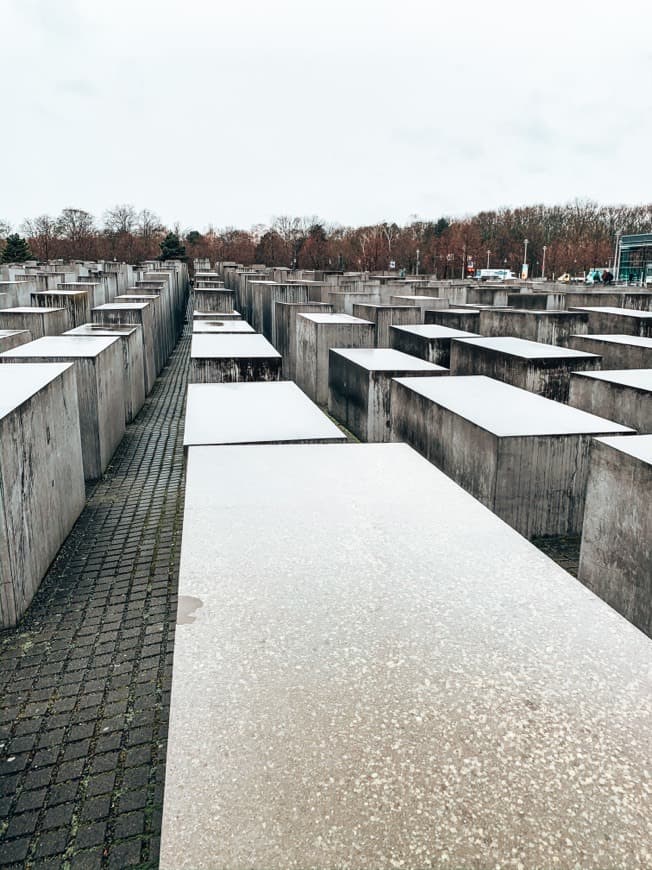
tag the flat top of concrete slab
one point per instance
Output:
(457, 310)
(126, 296)
(639, 378)
(386, 359)
(221, 326)
(29, 309)
(508, 411)
(433, 330)
(521, 347)
(358, 683)
(638, 446)
(530, 312)
(211, 314)
(103, 329)
(623, 312)
(634, 340)
(331, 318)
(383, 305)
(254, 413)
(63, 345)
(230, 346)
(120, 306)
(18, 383)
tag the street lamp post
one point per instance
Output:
(526, 242)
(543, 264)
(418, 254)
(488, 255)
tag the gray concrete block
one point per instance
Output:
(540, 368)
(285, 318)
(76, 302)
(39, 321)
(210, 315)
(617, 351)
(616, 551)
(41, 477)
(316, 334)
(546, 327)
(428, 341)
(468, 320)
(133, 314)
(10, 338)
(624, 396)
(162, 326)
(383, 316)
(371, 669)
(627, 321)
(261, 412)
(219, 327)
(214, 299)
(100, 389)
(423, 303)
(230, 358)
(133, 357)
(359, 387)
(523, 456)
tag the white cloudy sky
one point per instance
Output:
(228, 113)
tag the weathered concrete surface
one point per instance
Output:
(316, 335)
(523, 456)
(210, 315)
(429, 342)
(617, 351)
(39, 321)
(133, 314)
(383, 316)
(10, 338)
(616, 552)
(484, 294)
(76, 302)
(228, 358)
(624, 396)
(96, 290)
(618, 320)
(100, 389)
(640, 300)
(214, 299)
(218, 327)
(286, 330)
(538, 301)
(341, 699)
(359, 387)
(468, 320)
(423, 303)
(133, 356)
(546, 327)
(162, 328)
(41, 477)
(540, 368)
(264, 412)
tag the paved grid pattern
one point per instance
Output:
(85, 678)
(565, 551)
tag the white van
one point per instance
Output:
(495, 274)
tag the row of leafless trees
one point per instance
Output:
(575, 236)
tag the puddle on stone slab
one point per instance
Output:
(188, 604)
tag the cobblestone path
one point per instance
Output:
(85, 677)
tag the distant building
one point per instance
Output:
(635, 259)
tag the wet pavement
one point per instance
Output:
(85, 677)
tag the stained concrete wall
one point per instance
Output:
(537, 301)
(429, 342)
(455, 318)
(616, 551)
(547, 327)
(616, 354)
(41, 483)
(39, 321)
(286, 332)
(214, 299)
(547, 376)
(136, 314)
(383, 316)
(10, 338)
(618, 320)
(627, 403)
(76, 302)
(316, 334)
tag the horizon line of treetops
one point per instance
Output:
(576, 236)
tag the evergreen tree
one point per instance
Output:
(16, 250)
(171, 248)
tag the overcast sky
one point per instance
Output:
(354, 110)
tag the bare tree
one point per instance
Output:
(5, 229)
(148, 224)
(42, 232)
(120, 219)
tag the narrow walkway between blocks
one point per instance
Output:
(85, 677)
